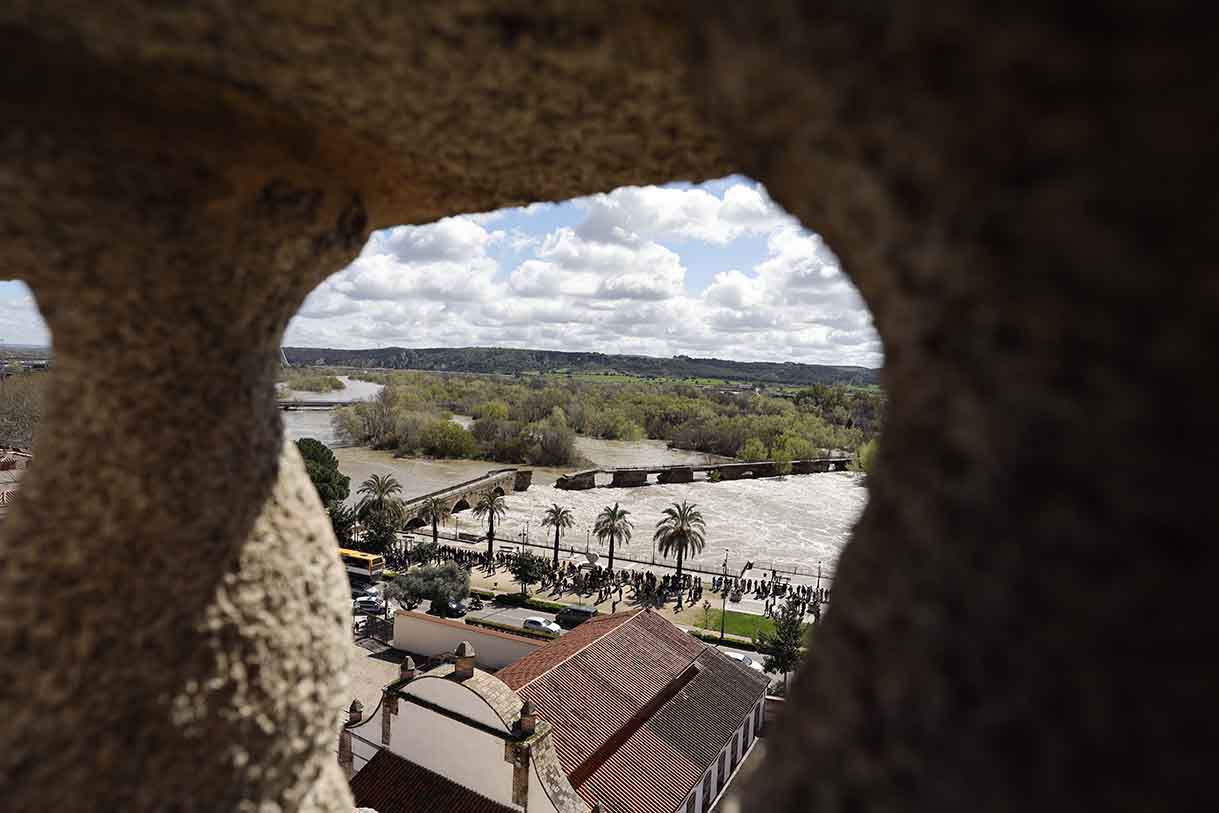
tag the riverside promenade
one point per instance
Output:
(501, 580)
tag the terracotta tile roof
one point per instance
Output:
(639, 707)
(521, 671)
(391, 784)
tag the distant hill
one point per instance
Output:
(513, 361)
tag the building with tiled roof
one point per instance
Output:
(626, 712)
(380, 785)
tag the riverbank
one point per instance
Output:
(793, 523)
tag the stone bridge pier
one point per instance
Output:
(676, 475)
(1018, 194)
(626, 479)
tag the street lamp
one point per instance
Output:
(724, 591)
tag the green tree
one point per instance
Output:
(447, 439)
(425, 552)
(492, 410)
(783, 648)
(313, 449)
(560, 519)
(435, 511)
(783, 460)
(379, 535)
(752, 450)
(323, 469)
(439, 584)
(612, 526)
(865, 456)
(681, 530)
(378, 499)
(491, 506)
(343, 521)
(527, 569)
(556, 442)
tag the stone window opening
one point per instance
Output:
(1016, 196)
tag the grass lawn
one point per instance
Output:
(735, 623)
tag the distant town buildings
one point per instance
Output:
(625, 713)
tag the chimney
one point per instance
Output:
(464, 661)
(389, 710)
(529, 719)
(407, 672)
(346, 760)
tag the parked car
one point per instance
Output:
(359, 591)
(369, 605)
(569, 617)
(448, 609)
(746, 661)
(535, 622)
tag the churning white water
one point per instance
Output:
(798, 521)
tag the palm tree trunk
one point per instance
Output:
(611, 559)
(556, 546)
(435, 531)
(680, 552)
(490, 538)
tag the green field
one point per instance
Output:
(735, 623)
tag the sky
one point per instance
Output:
(715, 269)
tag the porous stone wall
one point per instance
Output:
(1022, 618)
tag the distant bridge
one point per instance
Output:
(288, 406)
(462, 496)
(632, 476)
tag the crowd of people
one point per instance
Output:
(644, 587)
(775, 589)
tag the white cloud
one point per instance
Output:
(616, 281)
(656, 212)
(619, 272)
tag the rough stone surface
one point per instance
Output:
(1021, 193)
(1022, 620)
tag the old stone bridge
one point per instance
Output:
(638, 475)
(464, 495)
(288, 406)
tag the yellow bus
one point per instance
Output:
(367, 566)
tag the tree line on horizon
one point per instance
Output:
(512, 361)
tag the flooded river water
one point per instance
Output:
(791, 522)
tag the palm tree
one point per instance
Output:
(435, 511)
(612, 525)
(377, 496)
(682, 530)
(560, 519)
(491, 506)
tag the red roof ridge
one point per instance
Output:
(631, 616)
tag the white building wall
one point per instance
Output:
(467, 755)
(363, 747)
(456, 698)
(424, 635)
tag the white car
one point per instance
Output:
(745, 660)
(535, 622)
(368, 605)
